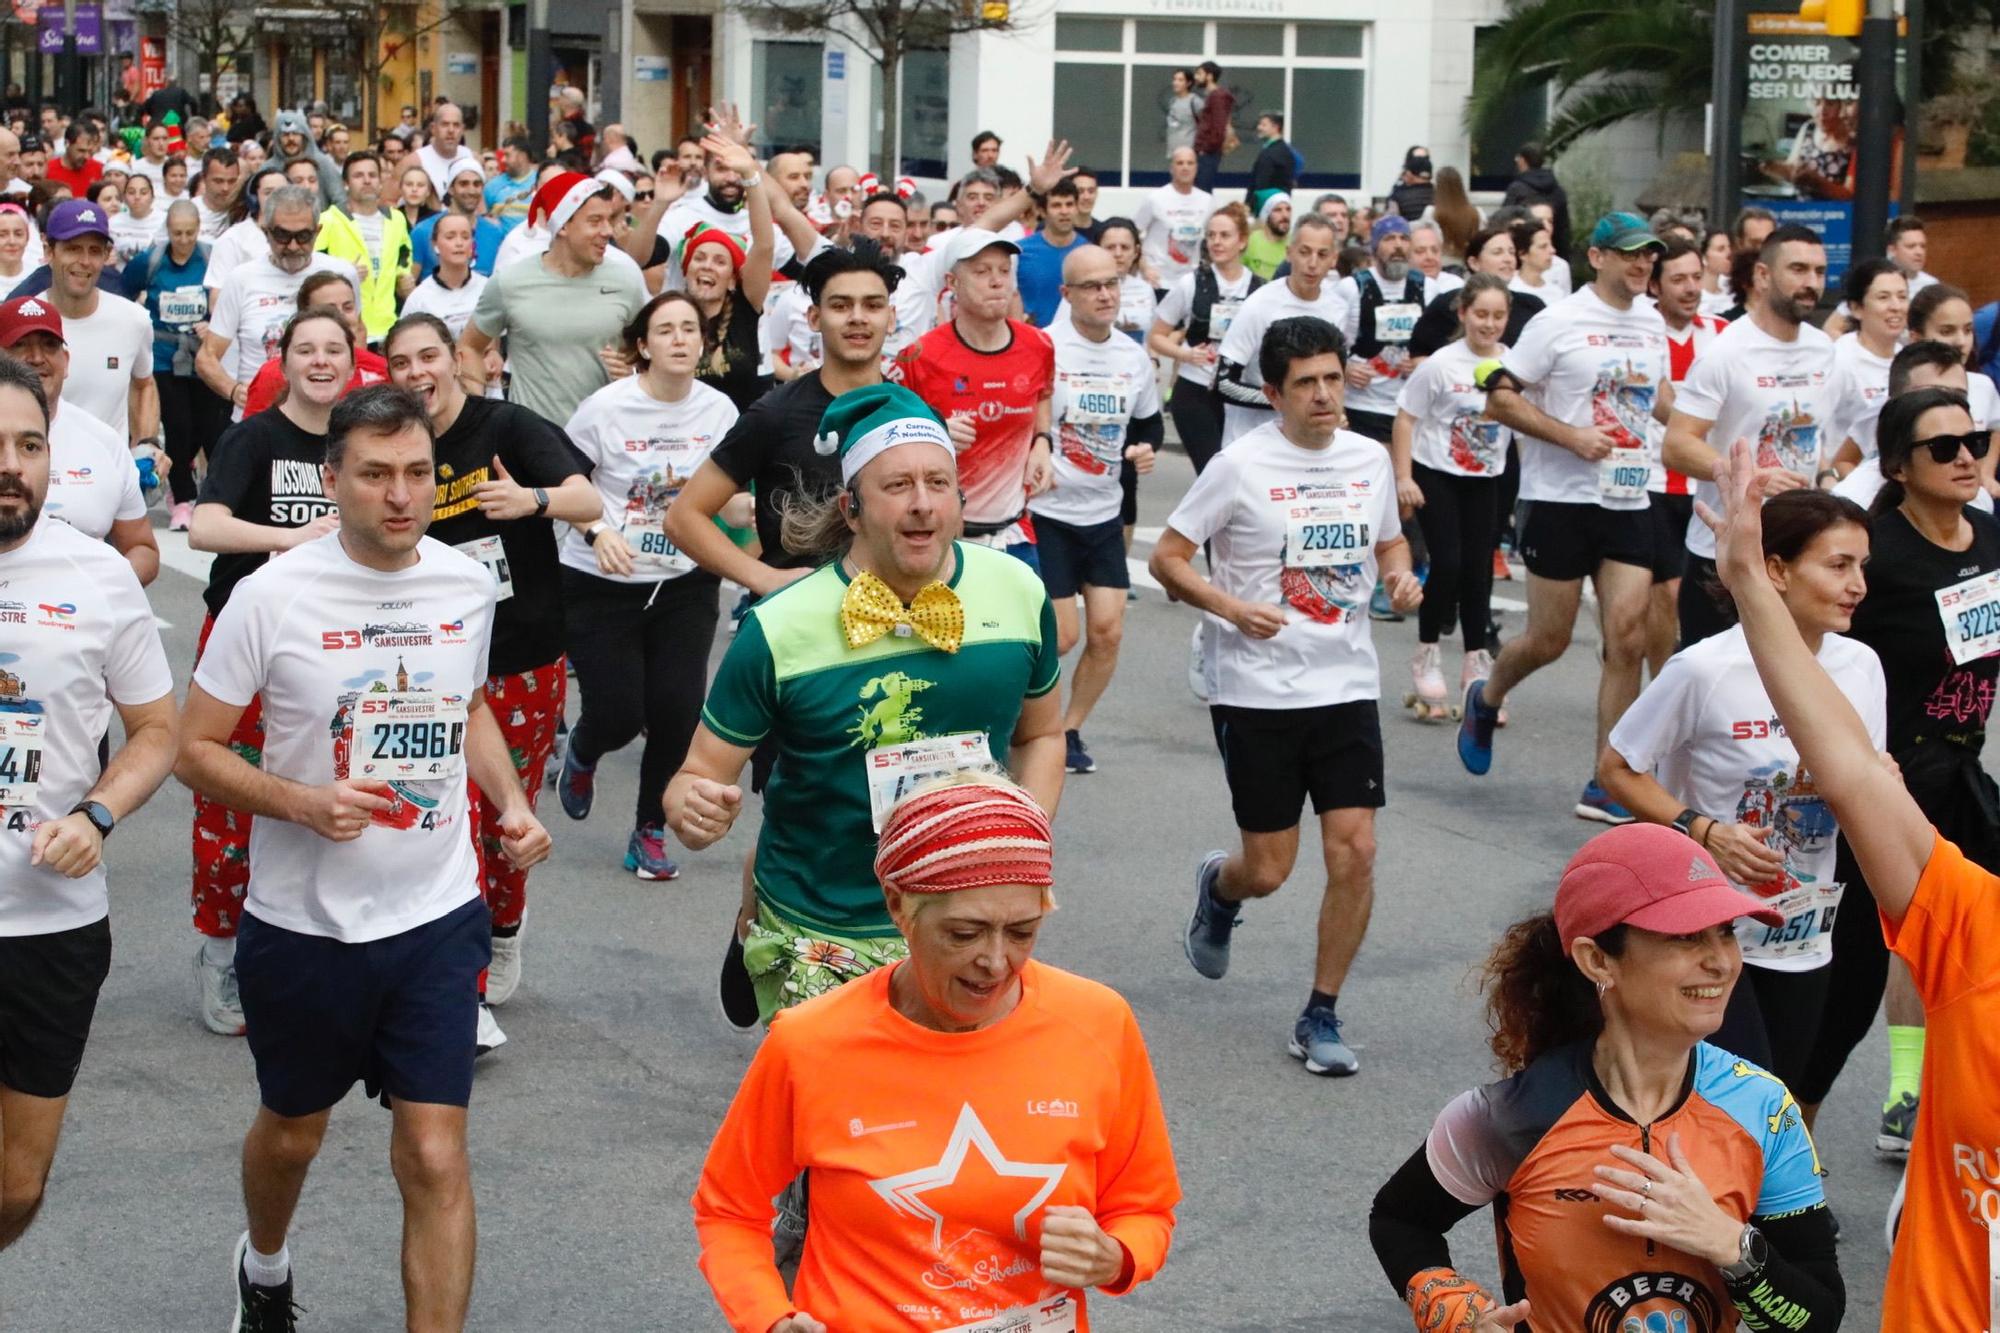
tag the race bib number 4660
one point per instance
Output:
(408, 737)
(1971, 615)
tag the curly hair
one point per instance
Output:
(1536, 998)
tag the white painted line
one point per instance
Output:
(162, 624)
(1508, 604)
(1141, 578)
(176, 555)
(1149, 535)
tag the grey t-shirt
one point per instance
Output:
(554, 327)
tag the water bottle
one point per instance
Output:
(149, 479)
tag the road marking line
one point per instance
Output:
(177, 555)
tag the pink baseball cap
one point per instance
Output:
(1652, 877)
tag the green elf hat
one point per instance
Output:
(862, 423)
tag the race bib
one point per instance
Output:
(408, 737)
(1054, 1315)
(1326, 534)
(1971, 615)
(1221, 314)
(1185, 242)
(652, 552)
(21, 758)
(183, 307)
(1396, 323)
(1808, 910)
(490, 552)
(894, 771)
(1622, 473)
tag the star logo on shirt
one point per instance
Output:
(905, 1192)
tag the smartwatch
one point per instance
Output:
(1684, 821)
(595, 530)
(541, 501)
(1752, 1253)
(99, 817)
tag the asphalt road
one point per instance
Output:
(588, 1128)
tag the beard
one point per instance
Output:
(13, 527)
(1394, 270)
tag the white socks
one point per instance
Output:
(267, 1270)
(218, 952)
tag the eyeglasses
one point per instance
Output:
(1090, 288)
(642, 197)
(1944, 448)
(284, 237)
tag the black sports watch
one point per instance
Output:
(1684, 821)
(1752, 1253)
(541, 501)
(99, 817)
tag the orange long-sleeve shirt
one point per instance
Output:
(933, 1156)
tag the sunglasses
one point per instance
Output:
(284, 237)
(1944, 448)
(642, 197)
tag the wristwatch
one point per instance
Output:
(1752, 1253)
(541, 501)
(596, 530)
(99, 817)
(753, 180)
(1684, 821)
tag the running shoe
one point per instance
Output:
(1075, 758)
(577, 787)
(490, 1038)
(646, 854)
(1197, 666)
(1379, 607)
(503, 974)
(1475, 730)
(180, 516)
(221, 1006)
(1208, 930)
(1316, 1040)
(262, 1309)
(735, 989)
(557, 753)
(1596, 803)
(1899, 1123)
(1501, 569)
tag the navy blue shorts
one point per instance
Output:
(398, 1014)
(1074, 558)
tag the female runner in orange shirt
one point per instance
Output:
(983, 1134)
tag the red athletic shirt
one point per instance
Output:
(1682, 348)
(1001, 390)
(269, 380)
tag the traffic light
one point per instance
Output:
(1841, 17)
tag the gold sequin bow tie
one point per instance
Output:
(870, 610)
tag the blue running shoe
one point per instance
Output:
(1075, 758)
(646, 854)
(1596, 803)
(1379, 607)
(1316, 1040)
(576, 787)
(1208, 930)
(1475, 730)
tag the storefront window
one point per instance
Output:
(784, 92)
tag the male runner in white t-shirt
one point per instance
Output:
(1309, 289)
(363, 932)
(1580, 389)
(1299, 517)
(79, 642)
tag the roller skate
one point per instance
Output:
(1425, 698)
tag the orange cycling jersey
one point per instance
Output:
(1529, 1145)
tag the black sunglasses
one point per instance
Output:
(642, 197)
(285, 237)
(1944, 448)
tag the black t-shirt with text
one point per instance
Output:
(770, 449)
(1931, 698)
(527, 627)
(266, 469)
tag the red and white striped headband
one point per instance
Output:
(966, 835)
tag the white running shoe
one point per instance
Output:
(503, 974)
(1197, 665)
(1426, 693)
(221, 1006)
(490, 1037)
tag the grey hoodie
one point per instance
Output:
(332, 191)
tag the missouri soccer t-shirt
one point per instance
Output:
(1707, 730)
(363, 674)
(1001, 391)
(76, 636)
(1762, 389)
(854, 727)
(1101, 389)
(1589, 364)
(265, 470)
(641, 452)
(1453, 433)
(1296, 528)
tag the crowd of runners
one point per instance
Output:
(590, 419)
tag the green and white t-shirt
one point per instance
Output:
(848, 720)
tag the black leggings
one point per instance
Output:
(1460, 521)
(640, 652)
(1197, 414)
(192, 418)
